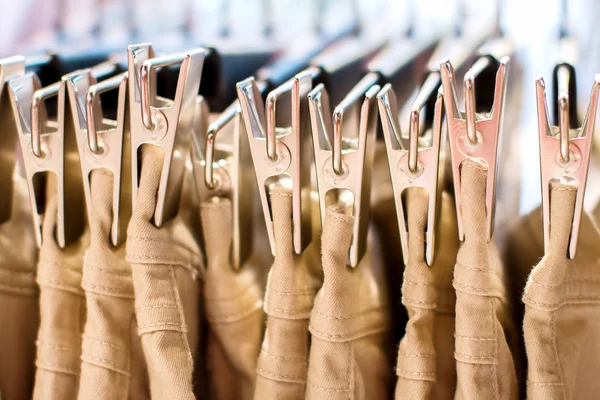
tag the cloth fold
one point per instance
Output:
(349, 323)
(484, 330)
(426, 368)
(233, 302)
(562, 308)
(19, 296)
(113, 365)
(291, 289)
(62, 313)
(166, 268)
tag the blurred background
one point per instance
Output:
(31, 26)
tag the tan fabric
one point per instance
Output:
(484, 328)
(113, 365)
(166, 267)
(426, 367)
(291, 289)
(349, 358)
(62, 313)
(233, 304)
(18, 299)
(562, 317)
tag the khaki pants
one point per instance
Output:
(19, 297)
(166, 266)
(113, 365)
(426, 366)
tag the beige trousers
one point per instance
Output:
(19, 297)
(166, 266)
(426, 367)
(484, 326)
(113, 365)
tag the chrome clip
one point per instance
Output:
(102, 142)
(415, 166)
(564, 152)
(50, 155)
(224, 169)
(162, 122)
(474, 134)
(10, 68)
(281, 155)
(344, 164)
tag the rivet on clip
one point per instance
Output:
(415, 166)
(50, 155)
(564, 152)
(10, 68)
(223, 168)
(162, 122)
(475, 133)
(282, 154)
(344, 164)
(103, 143)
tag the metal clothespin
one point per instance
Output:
(564, 151)
(162, 122)
(344, 163)
(474, 134)
(10, 68)
(415, 165)
(50, 155)
(223, 168)
(282, 155)
(103, 143)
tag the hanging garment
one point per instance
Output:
(426, 366)
(113, 365)
(349, 354)
(19, 297)
(233, 302)
(166, 267)
(62, 312)
(484, 327)
(562, 307)
(291, 289)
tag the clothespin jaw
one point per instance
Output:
(50, 155)
(162, 122)
(10, 68)
(564, 154)
(414, 167)
(103, 143)
(223, 168)
(344, 164)
(474, 134)
(281, 155)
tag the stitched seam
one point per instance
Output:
(232, 317)
(474, 338)
(67, 368)
(415, 283)
(145, 239)
(428, 375)
(482, 290)
(303, 292)
(567, 301)
(156, 306)
(555, 350)
(324, 389)
(462, 355)
(341, 218)
(111, 290)
(418, 355)
(263, 372)
(181, 317)
(117, 273)
(351, 316)
(162, 324)
(91, 359)
(103, 342)
(366, 332)
(56, 347)
(281, 358)
(547, 384)
(291, 312)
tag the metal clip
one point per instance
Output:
(224, 169)
(281, 155)
(564, 152)
(414, 167)
(162, 122)
(344, 164)
(475, 133)
(50, 155)
(9, 68)
(103, 142)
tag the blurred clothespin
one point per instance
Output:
(103, 143)
(10, 68)
(162, 122)
(50, 154)
(344, 163)
(475, 133)
(565, 150)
